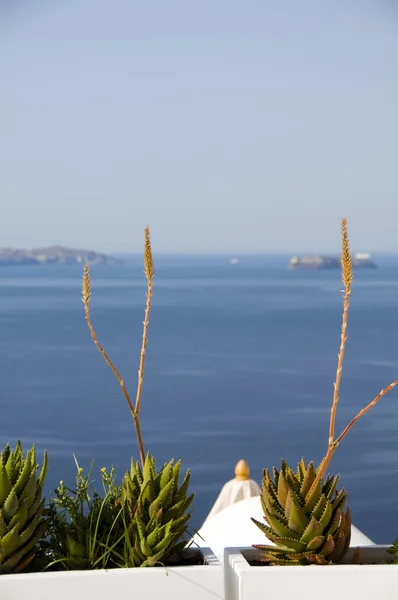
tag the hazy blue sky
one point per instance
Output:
(227, 125)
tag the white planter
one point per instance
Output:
(200, 582)
(362, 581)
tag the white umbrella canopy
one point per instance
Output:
(240, 488)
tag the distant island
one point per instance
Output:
(54, 255)
(330, 262)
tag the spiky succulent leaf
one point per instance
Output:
(22, 518)
(5, 483)
(306, 522)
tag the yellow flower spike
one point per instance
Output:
(346, 264)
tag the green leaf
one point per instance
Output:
(340, 500)
(140, 555)
(23, 477)
(314, 497)
(166, 474)
(183, 490)
(178, 509)
(176, 474)
(330, 486)
(267, 531)
(283, 490)
(335, 522)
(162, 498)
(11, 468)
(313, 529)
(29, 493)
(301, 470)
(9, 543)
(270, 490)
(148, 471)
(274, 509)
(180, 524)
(135, 472)
(5, 454)
(298, 520)
(279, 528)
(291, 544)
(320, 507)
(5, 484)
(20, 518)
(327, 516)
(163, 545)
(308, 480)
(275, 473)
(288, 506)
(175, 511)
(146, 492)
(142, 532)
(10, 506)
(36, 506)
(43, 473)
(30, 530)
(291, 479)
(153, 537)
(3, 525)
(145, 548)
(268, 482)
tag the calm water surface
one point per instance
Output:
(240, 364)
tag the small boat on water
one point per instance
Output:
(317, 261)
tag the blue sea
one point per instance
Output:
(241, 361)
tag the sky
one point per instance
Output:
(227, 126)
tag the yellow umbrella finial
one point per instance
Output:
(242, 471)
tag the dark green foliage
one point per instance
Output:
(155, 512)
(307, 526)
(22, 514)
(86, 529)
(394, 551)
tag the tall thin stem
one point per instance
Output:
(332, 447)
(143, 348)
(339, 371)
(149, 273)
(364, 411)
(86, 301)
(346, 275)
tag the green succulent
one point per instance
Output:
(306, 522)
(22, 515)
(155, 511)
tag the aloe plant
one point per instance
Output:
(22, 514)
(303, 510)
(155, 508)
(155, 511)
(306, 522)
